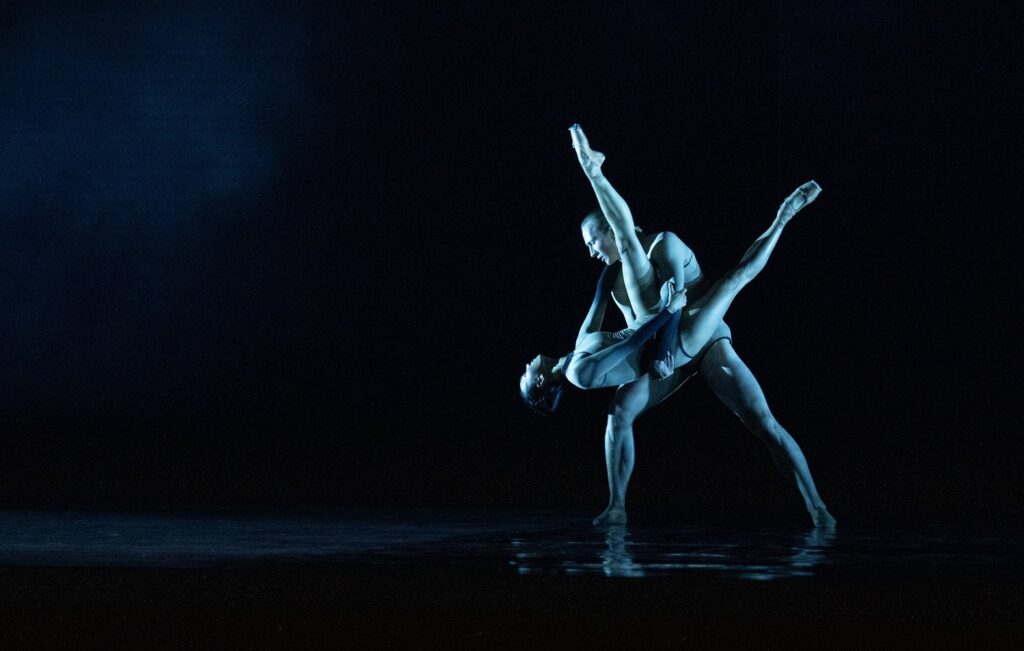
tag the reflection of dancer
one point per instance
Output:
(755, 555)
(616, 559)
(665, 255)
(810, 550)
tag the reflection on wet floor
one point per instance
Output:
(746, 555)
(523, 543)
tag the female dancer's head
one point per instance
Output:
(541, 385)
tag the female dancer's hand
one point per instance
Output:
(662, 368)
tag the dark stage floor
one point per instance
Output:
(434, 579)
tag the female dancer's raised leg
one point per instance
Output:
(701, 324)
(637, 272)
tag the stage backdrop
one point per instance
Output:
(299, 254)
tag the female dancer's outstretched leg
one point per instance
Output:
(605, 367)
(697, 329)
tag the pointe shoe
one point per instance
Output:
(590, 160)
(797, 201)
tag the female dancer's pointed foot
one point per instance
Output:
(795, 202)
(590, 160)
(822, 518)
(611, 515)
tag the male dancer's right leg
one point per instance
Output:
(735, 385)
(630, 401)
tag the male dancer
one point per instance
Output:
(604, 234)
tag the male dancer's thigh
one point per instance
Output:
(645, 392)
(732, 381)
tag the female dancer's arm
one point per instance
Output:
(607, 367)
(595, 316)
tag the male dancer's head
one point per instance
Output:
(599, 238)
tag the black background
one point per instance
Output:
(298, 255)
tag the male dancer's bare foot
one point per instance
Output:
(822, 518)
(590, 160)
(795, 202)
(611, 515)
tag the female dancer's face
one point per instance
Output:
(600, 244)
(537, 374)
(534, 375)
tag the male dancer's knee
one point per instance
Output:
(629, 403)
(620, 421)
(762, 423)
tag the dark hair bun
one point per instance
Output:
(544, 400)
